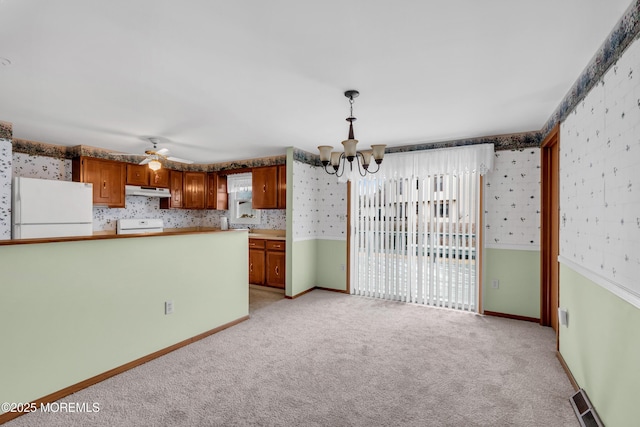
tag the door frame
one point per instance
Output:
(549, 241)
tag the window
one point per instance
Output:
(240, 197)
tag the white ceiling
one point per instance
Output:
(231, 80)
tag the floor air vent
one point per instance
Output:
(584, 410)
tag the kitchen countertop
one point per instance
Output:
(111, 234)
(106, 235)
(266, 234)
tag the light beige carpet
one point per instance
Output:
(329, 359)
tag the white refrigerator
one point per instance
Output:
(50, 208)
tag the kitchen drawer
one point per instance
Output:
(256, 244)
(275, 245)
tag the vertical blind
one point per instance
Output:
(415, 228)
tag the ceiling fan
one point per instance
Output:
(155, 155)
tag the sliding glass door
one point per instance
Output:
(415, 237)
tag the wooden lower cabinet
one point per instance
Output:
(275, 259)
(256, 261)
(256, 266)
(275, 269)
(267, 262)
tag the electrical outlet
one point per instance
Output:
(343, 267)
(168, 307)
(495, 284)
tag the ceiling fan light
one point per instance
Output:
(155, 165)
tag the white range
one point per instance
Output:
(137, 226)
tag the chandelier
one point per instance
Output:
(362, 158)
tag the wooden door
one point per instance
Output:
(275, 268)
(217, 191)
(175, 186)
(194, 194)
(159, 178)
(223, 197)
(107, 177)
(137, 174)
(282, 187)
(550, 230)
(256, 266)
(265, 187)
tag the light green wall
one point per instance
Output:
(519, 275)
(73, 310)
(331, 260)
(304, 266)
(288, 288)
(601, 346)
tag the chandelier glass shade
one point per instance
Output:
(338, 160)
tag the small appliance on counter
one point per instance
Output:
(44, 208)
(137, 226)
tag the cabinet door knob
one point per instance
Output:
(277, 270)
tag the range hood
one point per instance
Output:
(136, 190)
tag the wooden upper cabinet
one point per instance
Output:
(265, 187)
(159, 178)
(137, 174)
(217, 191)
(107, 177)
(282, 187)
(175, 186)
(143, 176)
(194, 190)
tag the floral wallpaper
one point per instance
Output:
(319, 204)
(512, 200)
(5, 189)
(31, 166)
(599, 179)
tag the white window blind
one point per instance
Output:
(415, 228)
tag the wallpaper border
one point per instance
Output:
(36, 148)
(626, 30)
(6, 130)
